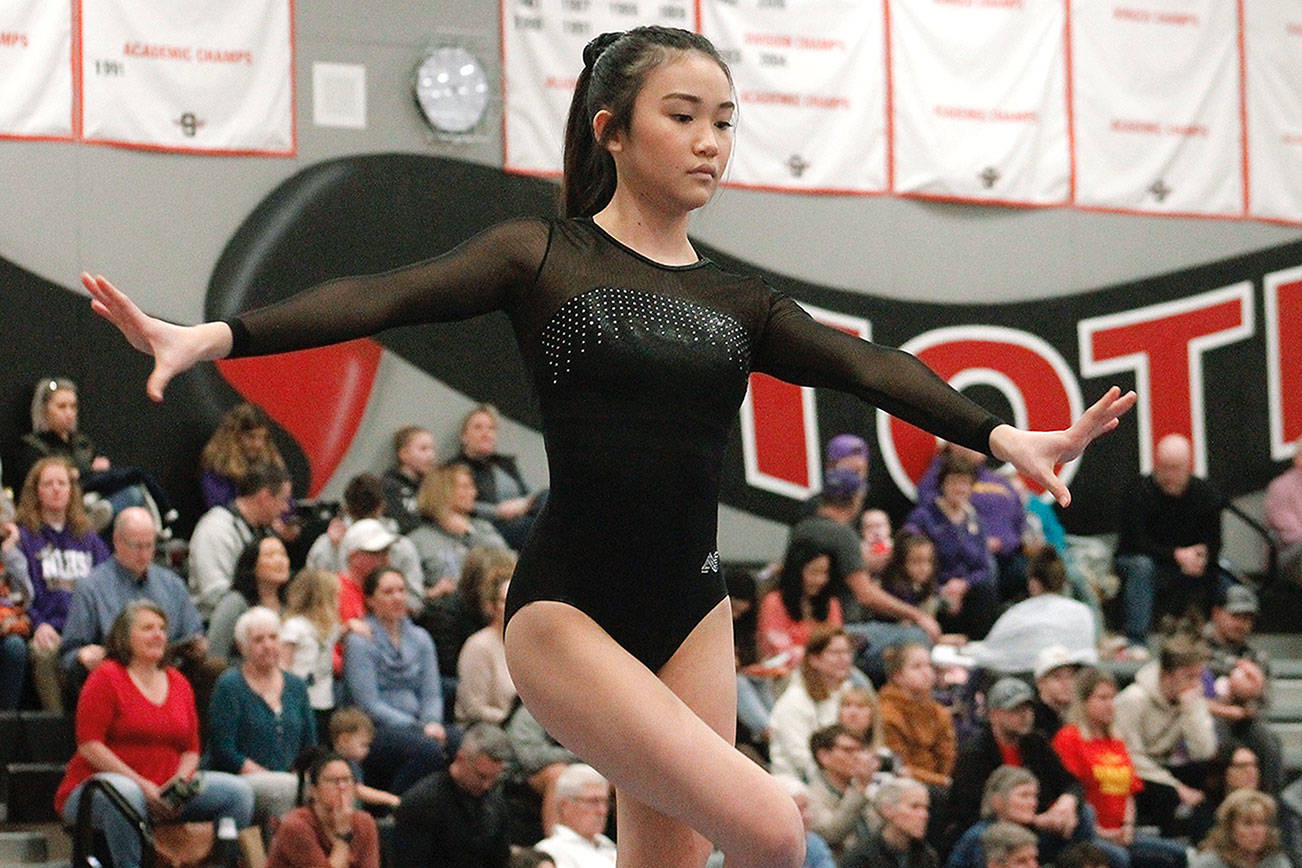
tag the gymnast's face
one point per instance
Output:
(680, 137)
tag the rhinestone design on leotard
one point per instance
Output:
(605, 321)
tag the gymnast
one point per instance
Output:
(619, 635)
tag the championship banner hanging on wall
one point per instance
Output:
(980, 101)
(1272, 37)
(1157, 110)
(189, 75)
(542, 56)
(810, 77)
(36, 69)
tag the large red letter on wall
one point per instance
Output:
(1028, 372)
(779, 424)
(1163, 345)
(1283, 361)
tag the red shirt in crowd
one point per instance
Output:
(1104, 768)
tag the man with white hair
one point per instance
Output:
(901, 841)
(1170, 537)
(582, 803)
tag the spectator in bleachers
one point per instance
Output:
(15, 625)
(901, 842)
(1233, 767)
(1169, 540)
(457, 817)
(138, 729)
(1008, 845)
(1092, 751)
(844, 765)
(1245, 835)
(364, 498)
(484, 688)
(261, 577)
(1045, 618)
(848, 452)
(755, 676)
(1163, 718)
(309, 634)
(501, 496)
(999, 510)
(61, 549)
(531, 858)
(413, 450)
(1055, 674)
(858, 714)
(861, 596)
(450, 529)
(537, 762)
(55, 434)
(876, 540)
(1237, 682)
(363, 550)
(1011, 795)
(1283, 510)
(224, 531)
(261, 718)
(804, 599)
(583, 804)
(242, 440)
(1007, 738)
(916, 728)
(391, 672)
(967, 584)
(131, 574)
(810, 701)
(328, 831)
(350, 733)
(454, 618)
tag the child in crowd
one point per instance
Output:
(351, 732)
(916, 727)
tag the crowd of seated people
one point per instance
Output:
(372, 680)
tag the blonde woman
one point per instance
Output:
(450, 529)
(1245, 835)
(309, 634)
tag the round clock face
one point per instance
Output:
(451, 89)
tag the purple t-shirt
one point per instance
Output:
(56, 561)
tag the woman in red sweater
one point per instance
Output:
(138, 730)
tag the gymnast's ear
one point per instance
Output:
(600, 122)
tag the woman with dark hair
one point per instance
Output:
(390, 671)
(60, 549)
(328, 831)
(969, 595)
(261, 579)
(805, 598)
(1245, 835)
(618, 633)
(138, 731)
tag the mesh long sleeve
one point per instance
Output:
(489, 272)
(800, 350)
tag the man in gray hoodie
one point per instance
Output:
(1165, 722)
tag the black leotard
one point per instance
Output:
(640, 369)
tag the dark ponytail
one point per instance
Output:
(615, 65)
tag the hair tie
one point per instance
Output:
(598, 44)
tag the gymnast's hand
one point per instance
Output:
(1037, 454)
(175, 348)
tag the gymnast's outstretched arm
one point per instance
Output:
(800, 350)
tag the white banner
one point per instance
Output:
(36, 68)
(542, 51)
(810, 77)
(1272, 36)
(980, 100)
(189, 75)
(1157, 109)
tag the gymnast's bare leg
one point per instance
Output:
(663, 739)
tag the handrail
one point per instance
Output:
(83, 833)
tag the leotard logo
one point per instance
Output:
(711, 564)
